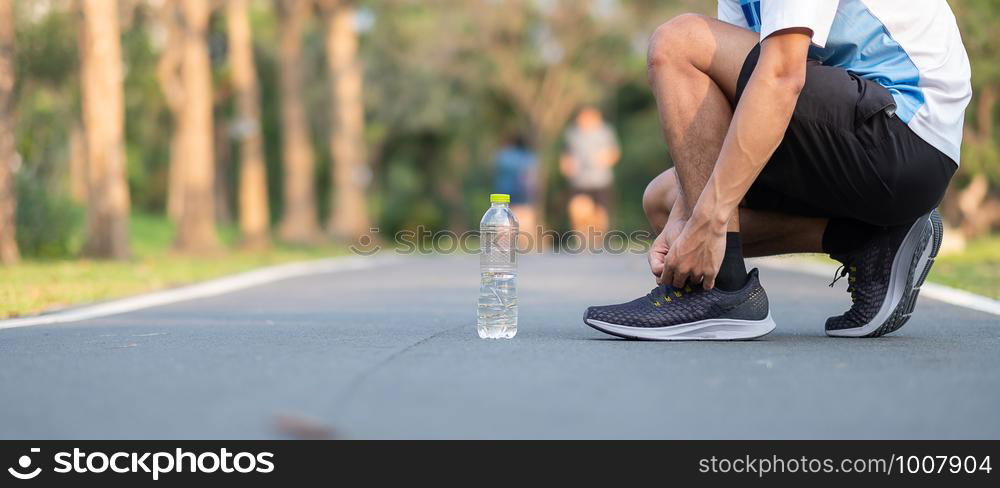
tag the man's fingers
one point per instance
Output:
(666, 276)
(709, 282)
(679, 279)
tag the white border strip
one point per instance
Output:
(205, 289)
(938, 292)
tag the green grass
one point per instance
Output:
(35, 286)
(976, 269)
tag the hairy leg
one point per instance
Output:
(763, 233)
(694, 62)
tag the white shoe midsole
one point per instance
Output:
(702, 330)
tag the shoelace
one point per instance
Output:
(666, 294)
(842, 271)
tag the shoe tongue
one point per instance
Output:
(662, 290)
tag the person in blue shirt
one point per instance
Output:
(516, 167)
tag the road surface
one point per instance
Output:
(392, 352)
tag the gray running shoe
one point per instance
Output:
(688, 314)
(884, 278)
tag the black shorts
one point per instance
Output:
(602, 197)
(846, 155)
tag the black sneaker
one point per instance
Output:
(884, 278)
(689, 313)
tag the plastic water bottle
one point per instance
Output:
(498, 270)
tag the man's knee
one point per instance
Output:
(672, 40)
(659, 196)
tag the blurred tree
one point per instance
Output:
(421, 143)
(350, 173)
(253, 205)
(78, 164)
(299, 222)
(168, 70)
(972, 203)
(192, 153)
(547, 59)
(438, 108)
(103, 122)
(8, 243)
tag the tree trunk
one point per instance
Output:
(222, 191)
(169, 74)
(985, 100)
(253, 206)
(196, 227)
(104, 123)
(78, 164)
(546, 150)
(449, 186)
(8, 243)
(350, 172)
(299, 222)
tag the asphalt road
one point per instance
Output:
(392, 352)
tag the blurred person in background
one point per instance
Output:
(516, 166)
(591, 151)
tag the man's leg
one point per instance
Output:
(581, 218)
(602, 218)
(694, 63)
(763, 233)
(580, 206)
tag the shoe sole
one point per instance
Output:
(910, 267)
(702, 330)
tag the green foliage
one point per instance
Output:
(47, 92)
(48, 223)
(644, 155)
(46, 48)
(147, 120)
(980, 157)
(978, 20)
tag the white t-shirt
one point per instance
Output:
(911, 47)
(584, 146)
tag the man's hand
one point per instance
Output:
(695, 256)
(662, 244)
(609, 157)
